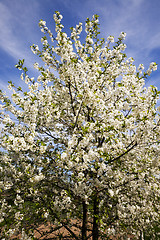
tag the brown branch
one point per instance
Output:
(70, 93)
(128, 112)
(63, 223)
(78, 115)
(124, 153)
(124, 184)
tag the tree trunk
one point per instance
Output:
(84, 224)
(95, 230)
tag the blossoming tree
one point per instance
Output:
(81, 145)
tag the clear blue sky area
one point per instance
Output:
(140, 19)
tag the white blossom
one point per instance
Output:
(110, 39)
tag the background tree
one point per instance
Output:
(81, 145)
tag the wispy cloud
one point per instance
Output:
(17, 29)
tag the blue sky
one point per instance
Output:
(140, 19)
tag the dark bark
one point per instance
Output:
(95, 229)
(124, 153)
(84, 223)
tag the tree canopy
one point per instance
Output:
(81, 145)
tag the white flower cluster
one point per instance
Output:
(110, 39)
(152, 67)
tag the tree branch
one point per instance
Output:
(124, 153)
(70, 93)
